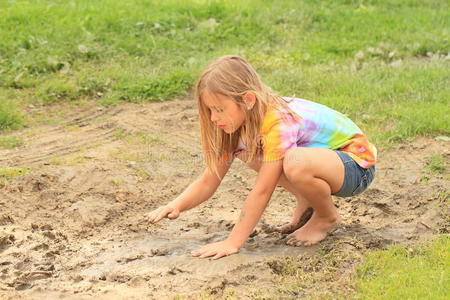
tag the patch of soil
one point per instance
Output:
(75, 229)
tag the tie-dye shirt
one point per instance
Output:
(319, 127)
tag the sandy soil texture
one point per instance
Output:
(72, 227)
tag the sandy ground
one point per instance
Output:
(72, 228)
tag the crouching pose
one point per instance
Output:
(309, 149)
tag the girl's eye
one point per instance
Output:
(219, 110)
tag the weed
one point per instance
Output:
(6, 174)
(67, 160)
(116, 182)
(144, 138)
(10, 118)
(436, 164)
(120, 133)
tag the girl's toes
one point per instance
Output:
(294, 242)
(300, 243)
(291, 242)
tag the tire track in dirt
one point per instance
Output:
(85, 118)
(59, 150)
(63, 151)
(59, 141)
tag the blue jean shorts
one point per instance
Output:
(357, 179)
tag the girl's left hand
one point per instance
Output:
(218, 249)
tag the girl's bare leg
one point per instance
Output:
(315, 173)
(300, 217)
(302, 212)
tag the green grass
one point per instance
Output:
(436, 164)
(138, 137)
(381, 62)
(10, 142)
(6, 174)
(144, 138)
(401, 273)
(397, 272)
(10, 118)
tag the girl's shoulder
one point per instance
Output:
(300, 103)
(278, 118)
(272, 116)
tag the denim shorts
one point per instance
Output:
(357, 179)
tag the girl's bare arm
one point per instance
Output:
(200, 190)
(256, 202)
(254, 206)
(197, 192)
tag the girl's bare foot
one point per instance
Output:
(297, 221)
(315, 230)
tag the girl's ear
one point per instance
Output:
(249, 100)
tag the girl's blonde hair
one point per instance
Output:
(232, 76)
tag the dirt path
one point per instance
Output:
(73, 226)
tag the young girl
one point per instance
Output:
(309, 149)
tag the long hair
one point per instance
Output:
(232, 76)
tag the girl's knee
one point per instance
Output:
(295, 165)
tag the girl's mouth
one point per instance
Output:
(222, 126)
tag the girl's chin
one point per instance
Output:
(227, 130)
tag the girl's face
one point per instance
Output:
(225, 113)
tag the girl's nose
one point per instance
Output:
(214, 117)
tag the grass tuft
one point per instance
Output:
(10, 118)
(436, 164)
(6, 174)
(406, 273)
(11, 142)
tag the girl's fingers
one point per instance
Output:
(219, 255)
(162, 214)
(199, 251)
(208, 253)
(150, 217)
(157, 218)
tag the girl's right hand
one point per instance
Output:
(156, 215)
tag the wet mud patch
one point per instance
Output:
(73, 227)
